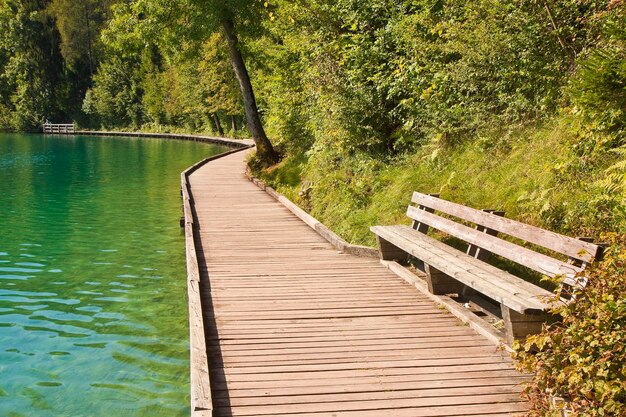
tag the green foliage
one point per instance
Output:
(116, 97)
(380, 98)
(189, 89)
(183, 78)
(29, 64)
(523, 170)
(610, 193)
(476, 66)
(582, 358)
(215, 79)
(385, 77)
(598, 89)
(79, 23)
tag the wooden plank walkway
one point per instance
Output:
(295, 328)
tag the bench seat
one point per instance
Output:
(509, 290)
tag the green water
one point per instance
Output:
(93, 313)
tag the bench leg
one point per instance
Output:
(389, 251)
(518, 326)
(440, 283)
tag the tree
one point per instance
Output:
(172, 23)
(79, 23)
(264, 146)
(31, 67)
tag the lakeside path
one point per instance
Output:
(296, 328)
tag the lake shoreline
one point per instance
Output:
(235, 143)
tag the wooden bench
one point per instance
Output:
(523, 305)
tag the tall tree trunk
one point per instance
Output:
(265, 150)
(569, 51)
(89, 42)
(218, 125)
(233, 123)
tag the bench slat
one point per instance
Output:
(499, 285)
(510, 282)
(575, 248)
(523, 256)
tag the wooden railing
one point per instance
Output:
(201, 399)
(60, 129)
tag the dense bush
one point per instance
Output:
(581, 359)
(598, 89)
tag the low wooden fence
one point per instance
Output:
(60, 129)
(201, 399)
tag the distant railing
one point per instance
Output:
(61, 129)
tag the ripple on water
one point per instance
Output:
(32, 307)
(59, 353)
(79, 325)
(14, 269)
(48, 384)
(113, 299)
(26, 293)
(91, 345)
(92, 309)
(89, 293)
(16, 277)
(62, 317)
(29, 264)
(120, 284)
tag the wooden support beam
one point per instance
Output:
(571, 284)
(440, 283)
(519, 326)
(389, 251)
(419, 226)
(477, 252)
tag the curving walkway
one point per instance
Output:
(296, 328)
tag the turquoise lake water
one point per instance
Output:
(93, 302)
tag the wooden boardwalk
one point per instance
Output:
(295, 328)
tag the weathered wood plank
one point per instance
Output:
(372, 379)
(478, 410)
(565, 245)
(363, 404)
(432, 371)
(498, 285)
(519, 254)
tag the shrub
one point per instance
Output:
(598, 89)
(582, 358)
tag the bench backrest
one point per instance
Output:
(579, 251)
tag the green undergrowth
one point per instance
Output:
(580, 360)
(537, 174)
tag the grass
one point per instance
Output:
(533, 173)
(187, 130)
(512, 173)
